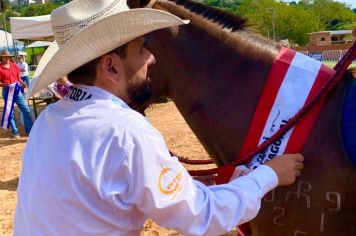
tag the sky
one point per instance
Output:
(349, 2)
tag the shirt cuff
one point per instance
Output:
(265, 177)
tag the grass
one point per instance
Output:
(31, 73)
(331, 64)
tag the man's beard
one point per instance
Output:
(139, 94)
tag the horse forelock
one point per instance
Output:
(233, 30)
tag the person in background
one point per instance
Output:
(24, 70)
(11, 84)
(56, 90)
(59, 88)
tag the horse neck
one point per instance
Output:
(213, 76)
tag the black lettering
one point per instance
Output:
(72, 94)
(84, 93)
(285, 121)
(278, 142)
(263, 152)
(249, 165)
(69, 92)
(79, 92)
(271, 156)
(274, 149)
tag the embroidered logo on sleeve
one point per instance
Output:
(170, 182)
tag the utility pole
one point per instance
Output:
(273, 18)
(7, 42)
(272, 11)
(3, 10)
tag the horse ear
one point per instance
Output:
(138, 3)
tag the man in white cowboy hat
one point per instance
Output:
(11, 84)
(93, 165)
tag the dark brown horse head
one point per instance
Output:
(214, 69)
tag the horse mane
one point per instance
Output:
(230, 29)
(224, 18)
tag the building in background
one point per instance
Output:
(328, 45)
(35, 51)
(323, 38)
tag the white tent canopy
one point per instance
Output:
(32, 28)
(6, 40)
(39, 44)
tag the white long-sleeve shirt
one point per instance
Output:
(23, 66)
(93, 166)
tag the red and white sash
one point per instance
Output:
(294, 79)
(9, 99)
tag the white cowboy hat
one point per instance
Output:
(87, 29)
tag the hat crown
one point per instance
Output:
(75, 16)
(5, 53)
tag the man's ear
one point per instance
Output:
(110, 75)
(108, 64)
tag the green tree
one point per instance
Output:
(36, 9)
(294, 23)
(330, 14)
(26, 10)
(4, 5)
(229, 5)
(262, 13)
(39, 10)
(279, 20)
(60, 2)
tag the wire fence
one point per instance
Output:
(33, 67)
(330, 57)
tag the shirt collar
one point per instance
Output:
(3, 65)
(96, 93)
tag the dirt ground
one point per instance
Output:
(164, 116)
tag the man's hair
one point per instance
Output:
(86, 74)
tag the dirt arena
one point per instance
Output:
(164, 117)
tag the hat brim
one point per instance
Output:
(97, 39)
